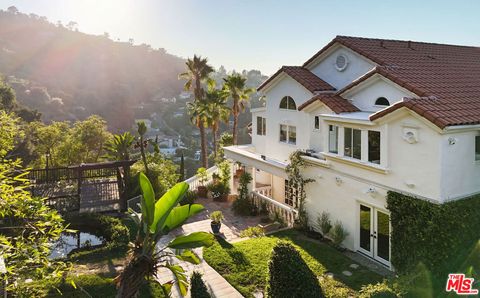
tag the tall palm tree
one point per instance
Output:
(197, 74)
(235, 85)
(217, 111)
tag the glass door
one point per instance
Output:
(366, 236)
(382, 237)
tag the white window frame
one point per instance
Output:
(477, 155)
(315, 119)
(288, 106)
(288, 130)
(263, 127)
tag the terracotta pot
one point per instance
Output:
(202, 191)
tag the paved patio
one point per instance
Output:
(230, 230)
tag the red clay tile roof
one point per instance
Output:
(302, 75)
(335, 102)
(449, 73)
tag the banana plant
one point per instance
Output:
(156, 220)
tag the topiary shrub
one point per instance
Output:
(243, 205)
(198, 289)
(289, 275)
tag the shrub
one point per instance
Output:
(289, 275)
(338, 233)
(253, 232)
(189, 198)
(323, 223)
(216, 216)
(243, 205)
(225, 174)
(378, 290)
(443, 235)
(202, 175)
(218, 190)
(198, 289)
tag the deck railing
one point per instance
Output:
(285, 212)
(194, 182)
(264, 190)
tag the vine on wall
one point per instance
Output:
(297, 181)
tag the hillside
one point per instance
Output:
(66, 74)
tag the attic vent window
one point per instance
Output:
(341, 63)
(382, 101)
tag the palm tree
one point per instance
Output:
(217, 111)
(235, 85)
(118, 147)
(157, 219)
(198, 111)
(197, 73)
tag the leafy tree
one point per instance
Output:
(197, 74)
(163, 172)
(226, 139)
(9, 133)
(235, 85)
(49, 138)
(7, 97)
(118, 146)
(156, 220)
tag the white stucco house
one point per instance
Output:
(373, 115)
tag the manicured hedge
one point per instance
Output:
(438, 235)
(289, 275)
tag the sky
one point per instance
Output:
(262, 34)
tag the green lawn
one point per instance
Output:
(244, 264)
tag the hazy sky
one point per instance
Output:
(262, 34)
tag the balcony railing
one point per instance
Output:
(193, 182)
(285, 212)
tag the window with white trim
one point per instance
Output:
(287, 103)
(333, 139)
(288, 134)
(477, 147)
(374, 146)
(291, 196)
(352, 143)
(261, 126)
(316, 122)
(382, 101)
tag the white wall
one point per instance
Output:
(272, 146)
(258, 140)
(326, 70)
(460, 171)
(364, 98)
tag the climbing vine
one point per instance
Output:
(298, 182)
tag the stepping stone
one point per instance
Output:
(347, 273)
(354, 266)
(329, 274)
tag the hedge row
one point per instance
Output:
(439, 236)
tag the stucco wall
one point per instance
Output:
(326, 70)
(460, 171)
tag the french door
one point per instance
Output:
(374, 240)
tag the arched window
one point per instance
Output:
(382, 101)
(288, 103)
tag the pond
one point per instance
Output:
(70, 241)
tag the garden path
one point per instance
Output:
(230, 231)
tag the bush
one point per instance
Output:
(218, 190)
(378, 290)
(338, 233)
(323, 223)
(443, 235)
(289, 275)
(189, 198)
(243, 205)
(253, 232)
(110, 228)
(198, 289)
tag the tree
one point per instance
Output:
(90, 136)
(197, 74)
(118, 146)
(73, 26)
(217, 111)
(142, 144)
(9, 133)
(12, 9)
(289, 275)
(7, 97)
(49, 138)
(235, 85)
(198, 289)
(156, 220)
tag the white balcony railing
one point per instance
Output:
(193, 182)
(285, 212)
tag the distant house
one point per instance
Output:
(372, 115)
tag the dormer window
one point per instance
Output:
(382, 101)
(287, 103)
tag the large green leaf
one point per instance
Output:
(148, 199)
(180, 276)
(188, 256)
(193, 240)
(179, 215)
(165, 204)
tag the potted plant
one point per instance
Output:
(202, 178)
(219, 191)
(216, 217)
